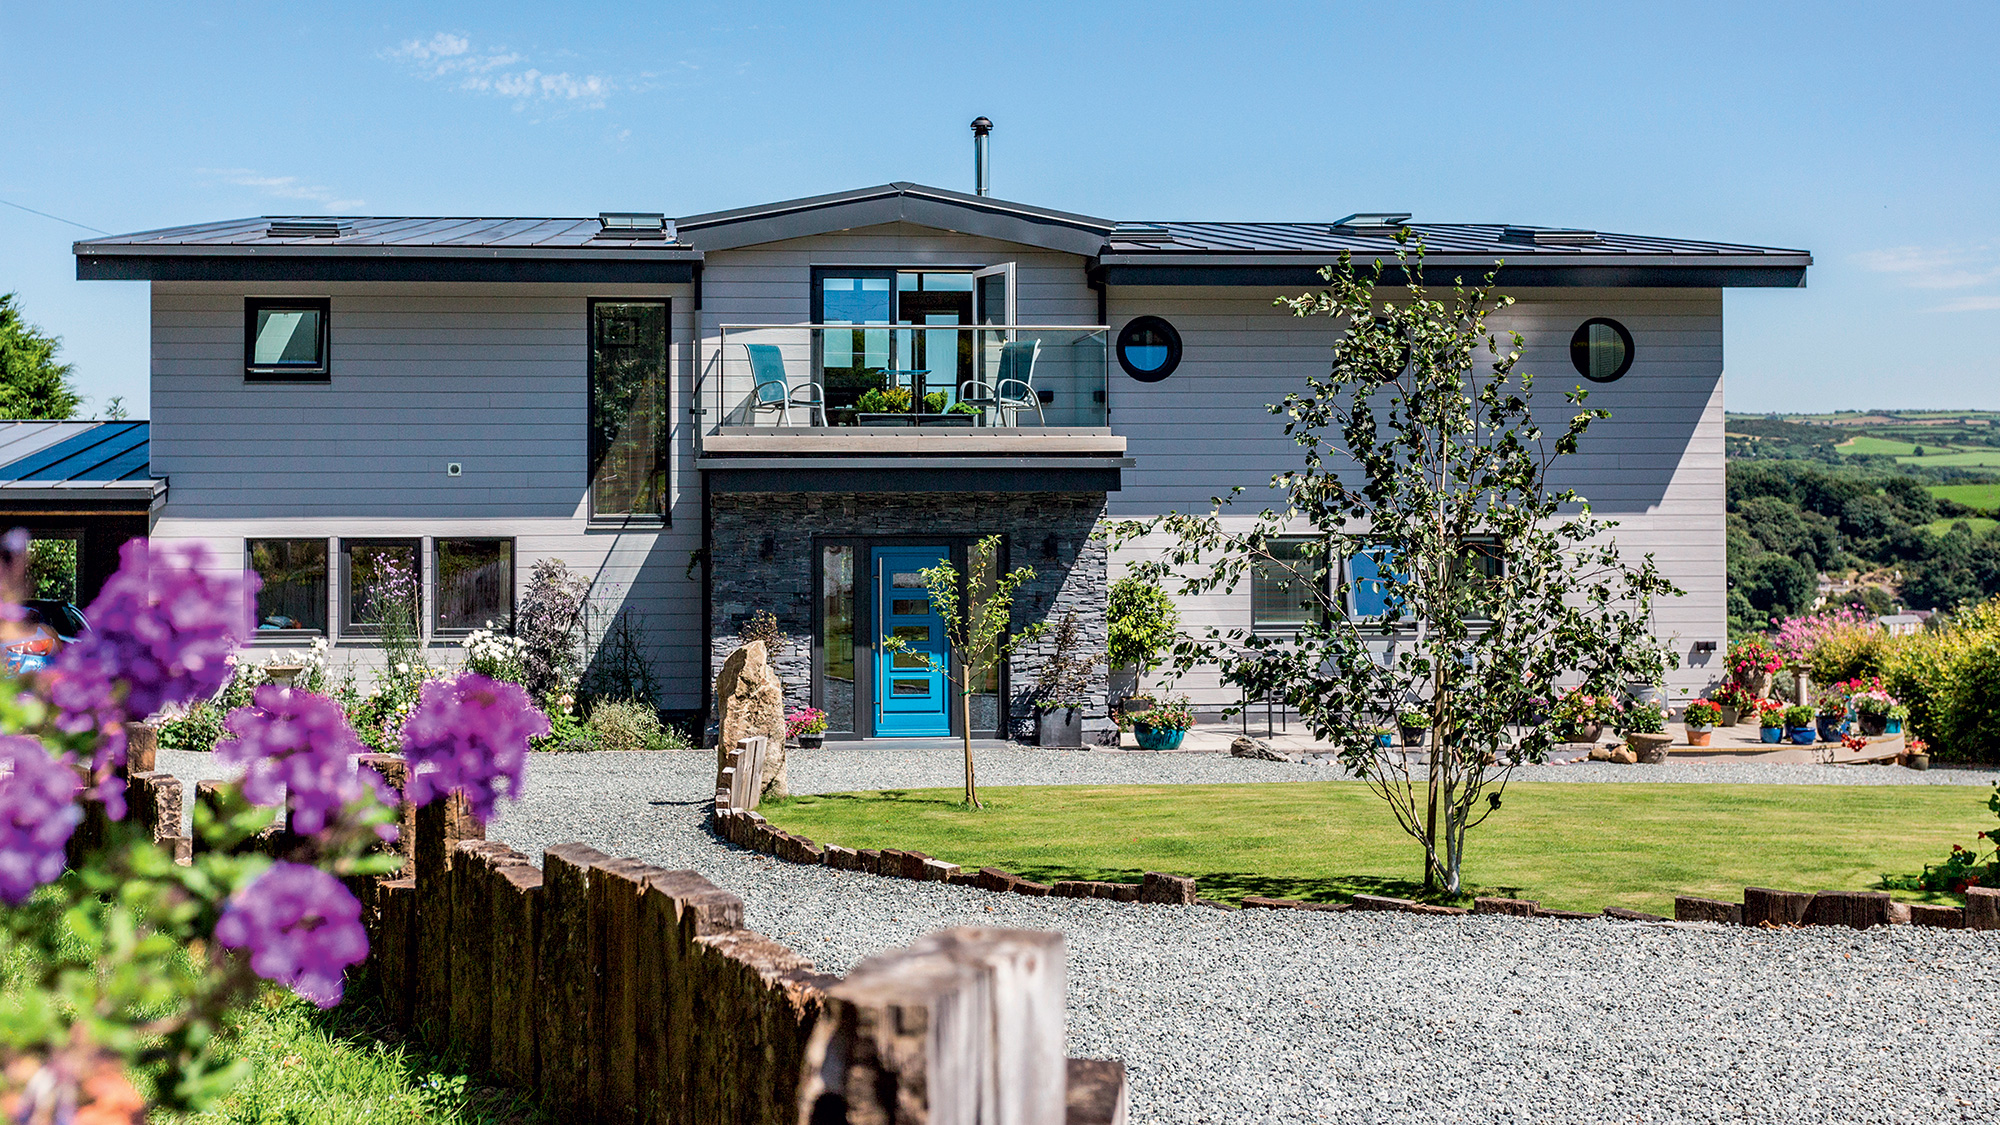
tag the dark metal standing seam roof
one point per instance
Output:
(393, 233)
(1439, 238)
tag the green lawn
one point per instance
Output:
(1867, 443)
(1971, 495)
(1572, 846)
(1980, 524)
(1962, 458)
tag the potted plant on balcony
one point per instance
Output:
(807, 726)
(1735, 702)
(1413, 724)
(1062, 688)
(1645, 726)
(1163, 725)
(1701, 718)
(1799, 724)
(1770, 720)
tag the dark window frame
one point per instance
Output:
(437, 625)
(664, 441)
(1579, 349)
(1282, 628)
(1156, 324)
(291, 636)
(317, 372)
(348, 629)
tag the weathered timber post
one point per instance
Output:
(964, 1027)
(516, 897)
(567, 975)
(440, 826)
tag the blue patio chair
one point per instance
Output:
(1013, 388)
(775, 391)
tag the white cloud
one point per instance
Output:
(1924, 267)
(1972, 304)
(495, 72)
(290, 188)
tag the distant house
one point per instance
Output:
(1900, 624)
(794, 407)
(84, 481)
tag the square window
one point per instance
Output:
(1282, 587)
(475, 585)
(292, 598)
(285, 339)
(381, 586)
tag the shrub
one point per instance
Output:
(1169, 714)
(1799, 715)
(196, 728)
(1413, 720)
(550, 619)
(1949, 679)
(629, 725)
(805, 720)
(1770, 713)
(496, 656)
(1143, 621)
(1751, 655)
(1644, 718)
(1838, 634)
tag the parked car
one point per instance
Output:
(50, 626)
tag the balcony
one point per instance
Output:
(907, 390)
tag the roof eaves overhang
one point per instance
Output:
(1668, 271)
(99, 260)
(937, 208)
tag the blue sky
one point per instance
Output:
(1864, 133)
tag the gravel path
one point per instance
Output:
(1262, 1016)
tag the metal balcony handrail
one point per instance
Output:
(1086, 328)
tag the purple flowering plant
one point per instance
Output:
(125, 955)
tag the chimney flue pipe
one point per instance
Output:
(982, 168)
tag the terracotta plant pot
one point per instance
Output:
(1699, 736)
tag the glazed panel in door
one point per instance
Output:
(910, 690)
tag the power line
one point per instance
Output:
(57, 218)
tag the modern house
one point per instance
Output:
(795, 407)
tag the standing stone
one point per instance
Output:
(1243, 746)
(751, 702)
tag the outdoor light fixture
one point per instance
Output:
(1049, 546)
(768, 549)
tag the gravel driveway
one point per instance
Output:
(1260, 1016)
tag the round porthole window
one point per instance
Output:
(1149, 349)
(1601, 350)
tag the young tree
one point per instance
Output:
(1425, 495)
(976, 611)
(32, 383)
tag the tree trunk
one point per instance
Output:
(965, 721)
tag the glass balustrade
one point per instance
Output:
(851, 376)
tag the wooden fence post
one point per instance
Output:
(676, 908)
(395, 772)
(568, 975)
(392, 947)
(472, 878)
(517, 933)
(441, 824)
(964, 1026)
(153, 802)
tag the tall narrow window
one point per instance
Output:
(628, 409)
(1282, 587)
(836, 622)
(293, 595)
(852, 361)
(475, 585)
(382, 587)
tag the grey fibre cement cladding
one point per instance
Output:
(1258, 1016)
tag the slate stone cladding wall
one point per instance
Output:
(743, 581)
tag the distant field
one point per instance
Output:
(1980, 525)
(1964, 458)
(1971, 495)
(1864, 443)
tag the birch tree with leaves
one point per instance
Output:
(1443, 570)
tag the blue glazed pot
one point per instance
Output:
(1802, 736)
(1830, 728)
(1771, 734)
(1892, 726)
(1156, 738)
(1384, 741)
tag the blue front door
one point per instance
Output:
(910, 687)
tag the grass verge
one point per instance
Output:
(1571, 846)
